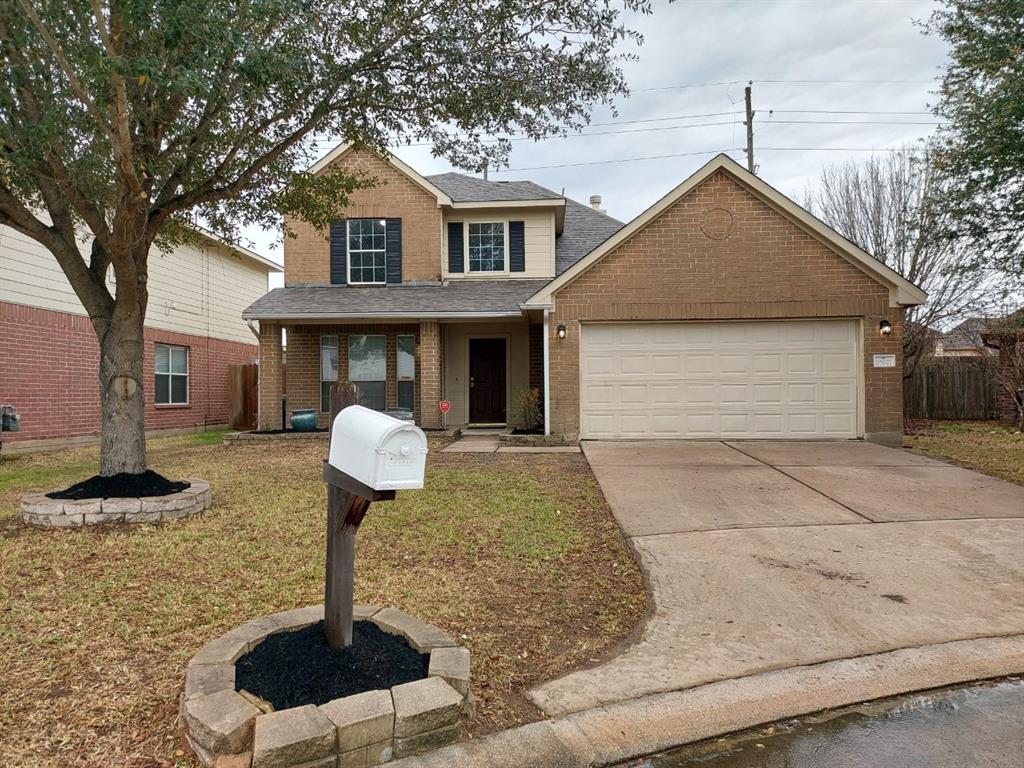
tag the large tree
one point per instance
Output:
(891, 206)
(122, 119)
(981, 149)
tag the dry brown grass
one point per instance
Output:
(517, 556)
(980, 445)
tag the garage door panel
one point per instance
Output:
(758, 379)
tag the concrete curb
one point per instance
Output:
(631, 729)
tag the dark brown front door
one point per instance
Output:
(487, 381)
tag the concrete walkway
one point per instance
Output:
(772, 556)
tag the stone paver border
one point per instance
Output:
(225, 727)
(40, 510)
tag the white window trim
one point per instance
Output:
(465, 247)
(186, 374)
(348, 253)
(320, 365)
(398, 377)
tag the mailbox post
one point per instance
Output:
(371, 456)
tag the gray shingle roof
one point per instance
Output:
(485, 297)
(584, 230)
(469, 189)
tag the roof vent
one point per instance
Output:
(595, 203)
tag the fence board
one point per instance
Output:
(243, 396)
(949, 389)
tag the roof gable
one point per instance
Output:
(342, 149)
(901, 291)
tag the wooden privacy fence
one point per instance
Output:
(949, 390)
(243, 395)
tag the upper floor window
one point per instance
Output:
(170, 369)
(486, 247)
(367, 251)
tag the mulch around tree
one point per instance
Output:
(292, 669)
(121, 485)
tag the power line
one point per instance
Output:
(847, 122)
(702, 152)
(843, 112)
(782, 82)
(621, 160)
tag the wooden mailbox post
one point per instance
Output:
(349, 497)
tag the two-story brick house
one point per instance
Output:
(724, 310)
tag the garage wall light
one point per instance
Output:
(885, 328)
(560, 331)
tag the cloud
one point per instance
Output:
(776, 44)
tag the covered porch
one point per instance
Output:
(482, 366)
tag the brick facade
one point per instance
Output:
(302, 372)
(49, 364)
(306, 257)
(754, 264)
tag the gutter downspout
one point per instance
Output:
(547, 375)
(253, 329)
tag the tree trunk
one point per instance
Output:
(123, 427)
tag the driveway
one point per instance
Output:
(770, 555)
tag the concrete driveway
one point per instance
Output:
(770, 555)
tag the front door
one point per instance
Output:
(487, 381)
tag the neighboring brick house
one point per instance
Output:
(724, 310)
(49, 358)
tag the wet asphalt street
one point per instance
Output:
(981, 726)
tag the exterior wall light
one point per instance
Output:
(885, 328)
(560, 331)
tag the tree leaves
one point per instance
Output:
(981, 151)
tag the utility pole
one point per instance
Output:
(750, 127)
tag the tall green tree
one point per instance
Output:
(122, 119)
(981, 150)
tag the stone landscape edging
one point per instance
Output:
(40, 510)
(356, 731)
(637, 728)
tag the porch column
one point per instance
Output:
(271, 376)
(428, 374)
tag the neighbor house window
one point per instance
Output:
(171, 374)
(367, 253)
(367, 369)
(328, 369)
(486, 247)
(406, 372)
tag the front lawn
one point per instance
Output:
(517, 556)
(981, 445)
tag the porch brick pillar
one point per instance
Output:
(428, 374)
(271, 376)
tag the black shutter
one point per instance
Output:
(339, 253)
(455, 249)
(393, 232)
(516, 247)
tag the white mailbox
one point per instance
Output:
(381, 451)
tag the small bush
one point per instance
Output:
(529, 408)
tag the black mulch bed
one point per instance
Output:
(123, 484)
(534, 431)
(292, 669)
(288, 431)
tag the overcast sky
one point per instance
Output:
(696, 58)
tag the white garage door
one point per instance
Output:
(762, 379)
